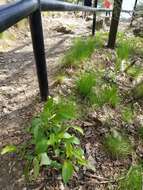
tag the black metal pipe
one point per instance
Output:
(94, 18)
(133, 15)
(55, 5)
(12, 13)
(39, 52)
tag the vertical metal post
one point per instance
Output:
(133, 15)
(94, 17)
(39, 52)
(114, 23)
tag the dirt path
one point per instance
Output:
(19, 93)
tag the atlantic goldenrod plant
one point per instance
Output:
(132, 180)
(53, 143)
(117, 145)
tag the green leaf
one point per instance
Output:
(71, 139)
(69, 150)
(67, 171)
(75, 140)
(45, 160)
(8, 149)
(79, 129)
(67, 136)
(36, 167)
(41, 146)
(55, 164)
(52, 139)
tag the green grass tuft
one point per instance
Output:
(117, 145)
(132, 180)
(124, 50)
(127, 114)
(85, 84)
(81, 50)
(107, 95)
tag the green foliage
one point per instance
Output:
(67, 171)
(85, 84)
(127, 114)
(54, 145)
(92, 88)
(124, 50)
(81, 50)
(132, 180)
(135, 71)
(8, 149)
(105, 95)
(117, 145)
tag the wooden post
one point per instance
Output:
(133, 15)
(94, 18)
(114, 23)
(39, 52)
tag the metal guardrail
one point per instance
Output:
(13, 12)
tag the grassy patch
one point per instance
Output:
(91, 86)
(124, 50)
(105, 95)
(127, 114)
(132, 180)
(117, 145)
(81, 50)
(85, 84)
(135, 71)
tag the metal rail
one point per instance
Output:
(13, 12)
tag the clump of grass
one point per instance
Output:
(106, 95)
(81, 50)
(85, 84)
(117, 145)
(127, 114)
(132, 180)
(124, 50)
(135, 71)
(91, 86)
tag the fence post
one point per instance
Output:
(94, 17)
(39, 51)
(133, 15)
(114, 23)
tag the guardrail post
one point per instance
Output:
(39, 51)
(94, 18)
(133, 15)
(114, 23)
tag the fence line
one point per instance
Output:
(11, 13)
